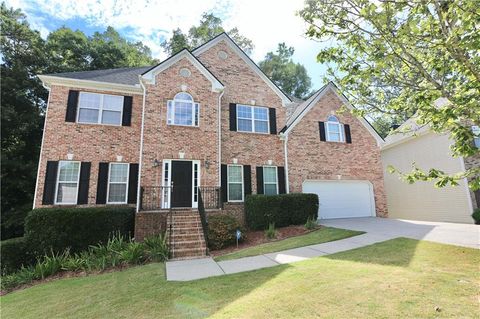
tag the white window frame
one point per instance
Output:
(195, 111)
(340, 129)
(100, 109)
(58, 182)
(241, 182)
(127, 182)
(269, 183)
(252, 119)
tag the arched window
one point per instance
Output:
(334, 130)
(182, 110)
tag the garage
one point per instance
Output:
(342, 199)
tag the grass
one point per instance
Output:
(400, 278)
(322, 235)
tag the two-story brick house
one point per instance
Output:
(208, 123)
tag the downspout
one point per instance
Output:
(284, 137)
(140, 162)
(220, 138)
(41, 145)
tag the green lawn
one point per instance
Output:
(400, 278)
(322, 235)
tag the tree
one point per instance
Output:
(209, 27)
(68, 50)
(395, 57)
(290, 76)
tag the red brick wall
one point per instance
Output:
(310, 158)
(93, 143)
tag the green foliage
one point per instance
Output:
(14, 253)
(290, 76)
(396, 58)
(271, 232)
(157, 247)
(13, 221)
(311, 223)
(476, 216)
(222, 231)
(209, 27)
(60, 228)
(283, 210)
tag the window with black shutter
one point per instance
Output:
(273, 120)
(247, 180)
(72, 103)
(133, 184)
(224, 182)
(259, 172)
(281, 180)
(233, 116)
(50, 183)
(84, 183)
(127, 111)
(102, 183)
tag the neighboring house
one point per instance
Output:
(421, 200)
(207, 123)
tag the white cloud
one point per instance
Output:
(265, 22)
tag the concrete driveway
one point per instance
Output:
(467, 235)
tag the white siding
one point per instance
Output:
(421, 200)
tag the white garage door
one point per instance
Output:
(342, 199)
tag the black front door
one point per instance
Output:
(182, 184)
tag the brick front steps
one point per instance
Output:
(185, 235)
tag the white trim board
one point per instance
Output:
(49, 80)
(224, 37)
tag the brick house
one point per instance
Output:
(204, 125)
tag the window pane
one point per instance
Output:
(260, 113)
(89, 100)
(183, 96)
(269, 174)
(334, 137)
(88, 116)
(112, 117)
(270, 189)
(261, 126)
(117, 193)
(68, 171)
(244, 111)
(245, 125)
(332, 118)
(234, 191)
(118, 173)
(183, 113)
(333, 128)
(113, 102)
(234, 174)
(67, 193)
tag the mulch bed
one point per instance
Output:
(257, 237)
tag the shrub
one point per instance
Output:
(56, 229)
(476, 216)
(14, 254)
(271, 232)
(311, 223)
(157, 247)
(222, 231)
(133, 254)
(283, 210)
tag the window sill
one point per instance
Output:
(254, 133)
(183, 126)
(100, 124)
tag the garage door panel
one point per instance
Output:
(342, 199)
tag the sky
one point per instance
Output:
(265, 22)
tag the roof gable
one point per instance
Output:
(306, 106)
(150, 75)
(224, 37)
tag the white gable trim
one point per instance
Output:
(320, 95)
(150, 75)
(49, 80)
(224, 37)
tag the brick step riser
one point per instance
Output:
(186, 237)
(184, 222)
(181, 246)
(190, 254)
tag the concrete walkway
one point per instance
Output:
(185, 270)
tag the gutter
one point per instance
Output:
(284, 137)
(140, 162)
(220, 138)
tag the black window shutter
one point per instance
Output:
(247, 180)
(132, 184)
(224, 183)
(102, 183)
(260, 180)
(84, 183)
(348, 136)
(50, 181)
(273, 120)
(281, 179)
(321, 126)
(233, 117)
(72, 103)
(127, 111)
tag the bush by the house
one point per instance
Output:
(117, 251)
(222, 231)
(283, 210)
(311, 223)
(56, 229)
(476, 216)
(271, 232)
(14, 254)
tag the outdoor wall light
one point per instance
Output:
(207, 164)
(156, 163)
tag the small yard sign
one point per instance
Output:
(238, 236)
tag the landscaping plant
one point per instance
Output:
(311, 223)
(271, 232)
(476, 216)
(222, 230)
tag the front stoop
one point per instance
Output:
(186, 235)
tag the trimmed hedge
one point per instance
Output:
(222, 231)
(14, 254)
(283, 210)
(476, 216)
(56, 229)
